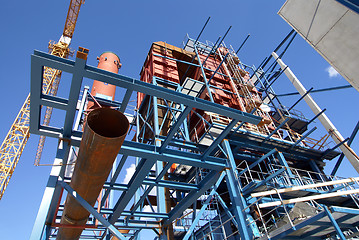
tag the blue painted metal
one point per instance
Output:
(245, 40)
(226, 209)
(199, 35)
(276, 129)
(203, 75)
(284, 163)
(73, 96)
(303, 137)
(163, 151)
(175, 127)
(303, 96)
(51, 195)
(161, 199)
(250, 187)
(315, 117)
(333, 148)
(352, 211)
(114, 178)
(142, 169)
(237, 198)
(212, 50)
(40, 59)
(351, 4)
(271, 152)
(126, 99)
(316, 90)
(219, 139)
(203, 208)
(187, 201)
(335, 224)
(89, 208)
(341, 157)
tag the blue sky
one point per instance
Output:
(128, 28)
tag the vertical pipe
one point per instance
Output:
(108, 61)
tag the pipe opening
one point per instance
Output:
(108, 122)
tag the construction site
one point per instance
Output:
(216, 149)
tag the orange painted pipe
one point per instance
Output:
(110, 62)
(104, 132)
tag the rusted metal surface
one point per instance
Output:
(104, 133)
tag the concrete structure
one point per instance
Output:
(331, 28)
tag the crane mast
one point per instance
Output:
(16, 139)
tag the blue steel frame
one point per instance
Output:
(162, 152)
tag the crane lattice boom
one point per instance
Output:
(16, 139)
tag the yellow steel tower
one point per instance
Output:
(16, 139)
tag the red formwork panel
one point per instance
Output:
(161, 62)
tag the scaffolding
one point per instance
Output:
(217, 155)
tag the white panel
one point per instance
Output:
(331, 29)
(327, 14)
(340, 46)
(299, 14)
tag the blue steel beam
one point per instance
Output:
(75, 90)
(315, 117)
(249, 188)
(142, 150)
(203, 74)
(51, 195)
(219, 139)
(317, 90)
(91, 210)
(142, 169)
(303, 96)
(245, 40)
(192, 196)
(175, 127)
(340, 159)
(238, 201)
(54, 101)
(226, 209)
(148, 181)
(199, 35)
(303, 137)
(114, 178)
(160, 175)
(126, 99)
(333, 148)
(36, 93)
(203, 208)
(265, 156)
(161, 202)
(277, 128)
(334, 223)
(40, 59)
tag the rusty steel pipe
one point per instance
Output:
(104, 132)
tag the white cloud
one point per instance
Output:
(129, 173)
(332, 72)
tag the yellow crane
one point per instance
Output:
(16, 139)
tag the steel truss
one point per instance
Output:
(208, 193)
